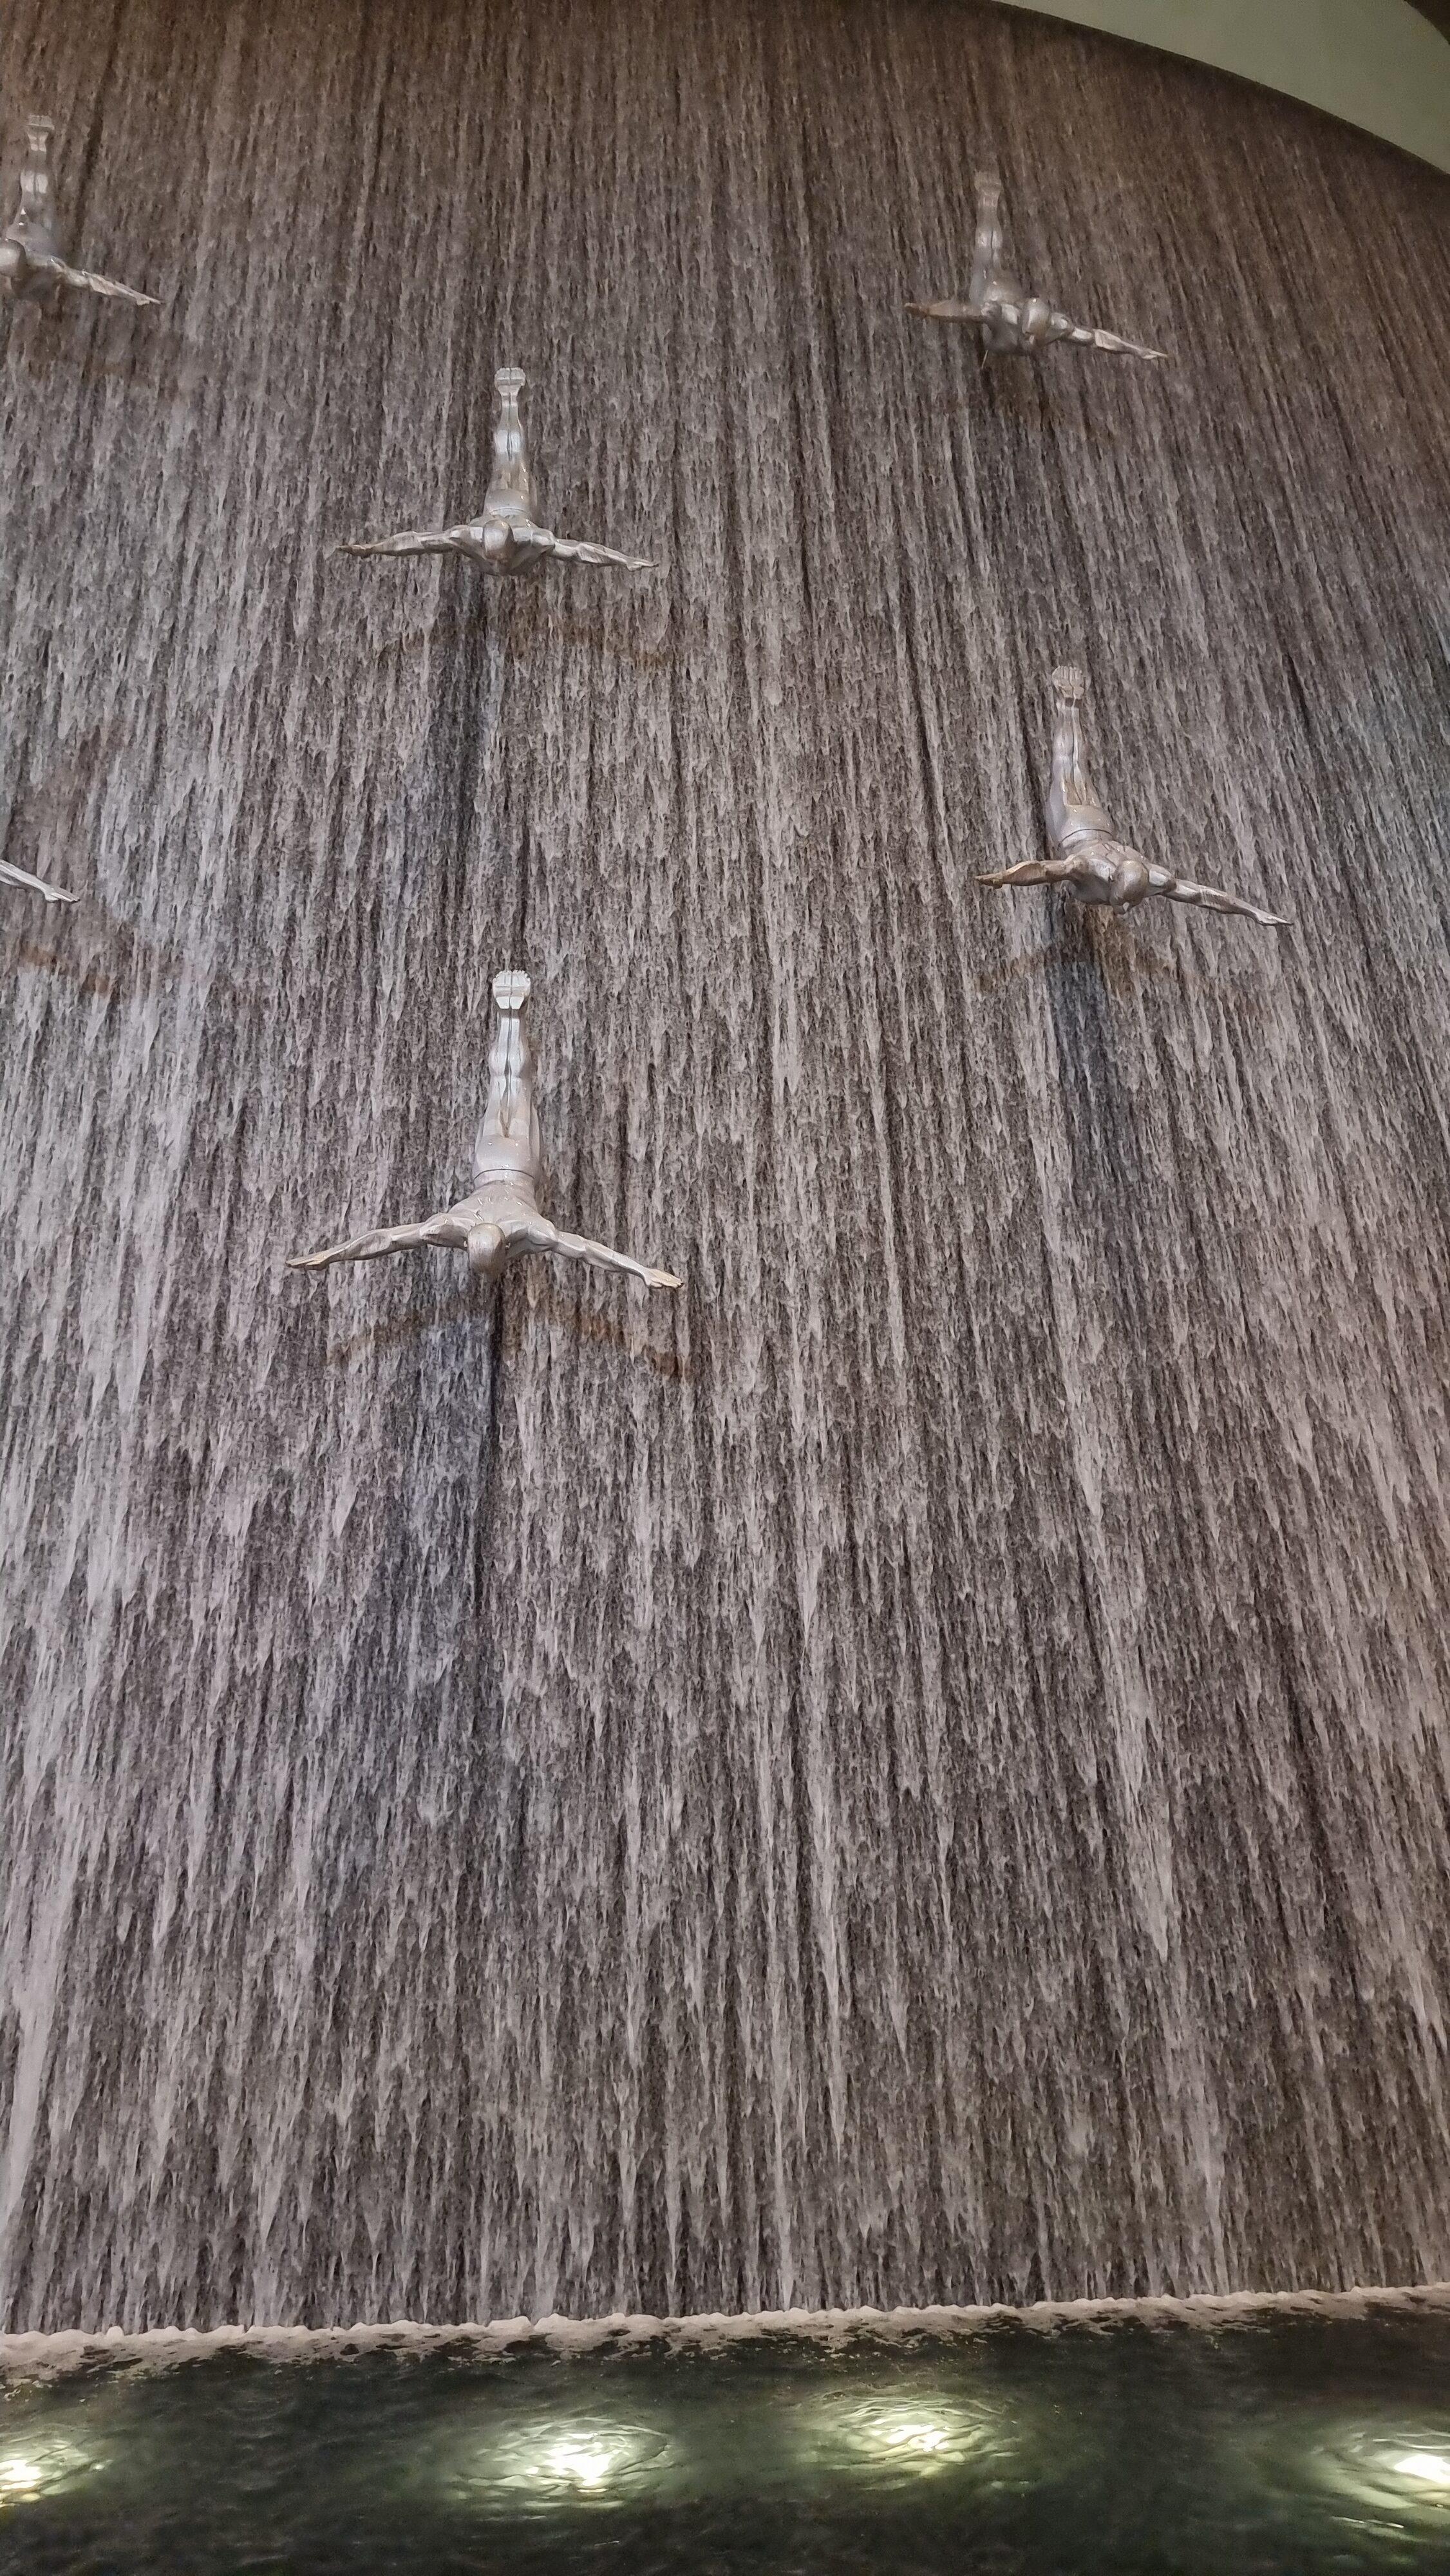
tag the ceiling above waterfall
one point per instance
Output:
(1380, 64)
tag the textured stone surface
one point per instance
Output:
(920, 1769)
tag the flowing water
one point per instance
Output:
(919, 1768)
(1269, 2444)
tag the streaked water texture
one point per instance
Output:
(917, 1769)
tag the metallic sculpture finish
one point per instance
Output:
(500, 1220)
(31, 267)
(13, 876)
(1090, 861)
(1013, 323)
(505, 538)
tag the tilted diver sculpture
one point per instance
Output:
(500, 1220)
(505, 537)
(1090, 861)
(13, 876)
(1013, 323)
(31, 267)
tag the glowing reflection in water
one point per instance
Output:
(40, 2467)
(1432, 2468)
(1399, 2472)
(546, 2464)
(890, 2438)
(1381, 2477)
(20, 2477)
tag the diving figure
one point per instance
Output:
(13, 876)
(505, 537)
(500, 1220)
(31, 267)
(1011, 322)
(1090, 861)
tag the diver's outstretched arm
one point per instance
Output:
(386, 1238)
(573, 550)
(949, 309)
(1031, 872)
(90, 283)
(13, 876)
(1080, 335)
(599, 1256)
(1185, 890)
(411, 541)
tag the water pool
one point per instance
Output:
(1274, 2440)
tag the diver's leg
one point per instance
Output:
(1069, 762)
(987, 245)
(37, 181)
(510, 489)
(509, 1117)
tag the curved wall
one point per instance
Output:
(1382, 64)
(919, 1769)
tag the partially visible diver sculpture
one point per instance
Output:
(505, 537)
(500, 1220)
(1013, 323)
(31, 267)
(1090, 861)
(13, 876)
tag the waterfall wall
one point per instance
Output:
(918, 1769)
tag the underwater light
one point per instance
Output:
(585, 2464)
(912, 2437)
(20, 2478)
(585, 2460)
(915, 2439)
(1432, 2468)
(47, 2466)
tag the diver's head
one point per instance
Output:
(1131, 880)
(487, 1250)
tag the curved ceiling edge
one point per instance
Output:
(1379, 64)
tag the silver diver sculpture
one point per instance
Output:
(13, 876)
(505, 538)
(500, 1221)
(1091, 862)
(31, 267)
(1011, 322)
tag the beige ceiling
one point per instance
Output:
(1380, 64)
